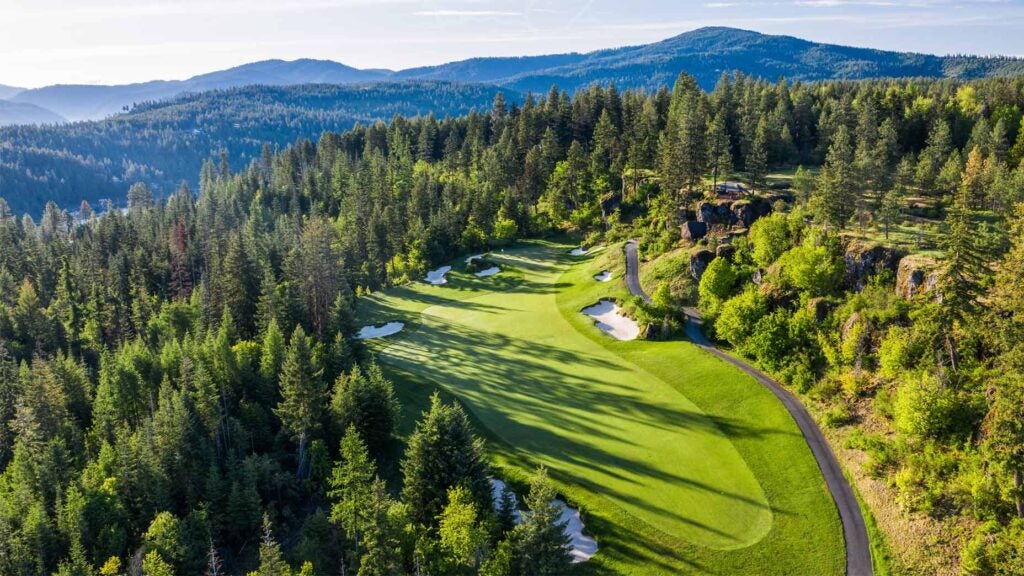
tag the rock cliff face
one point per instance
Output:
(865, 259)
(742, 212)
(916, 275)
(699, 260)
(693, 230)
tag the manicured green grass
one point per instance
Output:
(681, 463)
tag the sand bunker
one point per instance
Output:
(489, 272)
(581, 546)
(388, 329)
(577, 252)
(603, 276)
(474, 257)
(436, 277)
(608, 318)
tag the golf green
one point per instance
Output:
(614, 421)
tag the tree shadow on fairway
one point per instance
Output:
(566, 406)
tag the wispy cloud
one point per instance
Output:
(468, 13)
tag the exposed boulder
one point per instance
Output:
(727, 251)
(699, 260)
(916, 275)
(865, 259)
(745, 212)
(692, 230)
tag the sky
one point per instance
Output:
(46, 42)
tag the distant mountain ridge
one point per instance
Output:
(9, 91)
(704, 53)
(25, 113)
(89, 102)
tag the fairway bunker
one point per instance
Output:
(581, 547)
(608, 317)
(389, 329)
(604, 276)
(577, 252)
(489, 272)
(436, 277)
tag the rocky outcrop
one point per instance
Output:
(742, 212)
(865, 259)
(746, 212)
(699, 260)
(692, 230)
(916, 275)
(727, 251)
(716, 213)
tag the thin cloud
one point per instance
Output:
(468, 13)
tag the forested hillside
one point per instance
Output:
(181, 390)
(164, 137)
(161, 144)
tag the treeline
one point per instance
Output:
(175, 372)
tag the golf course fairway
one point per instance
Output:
(679, 462)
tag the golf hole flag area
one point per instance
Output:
(677, 462)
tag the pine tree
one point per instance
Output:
(302, 397)
(271, 561)
(757, 160)
(351, 487)
(962, 271)
(239, 285)
(936, 152)
(66, 303)
(442, 453)
(835, 196)
(540, 544)
(683, 148)
(719, 155)
(892, 206)
(381, 555)
(366, 399)
(273, 352)
(1004, 432)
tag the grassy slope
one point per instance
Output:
(680, 462)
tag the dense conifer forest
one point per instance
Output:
(181, 390)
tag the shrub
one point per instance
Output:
(838, 415)
(769, 341)
(739, 315)
(716, 285)
(924, 407)
(894, 352)
(811, 268)
(769, 238)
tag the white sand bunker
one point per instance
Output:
(474, 257)
(581, 547)
(436, 277)
(604, 276)
(388, 329)
(609, 319)
(489, 272)
(577, 252)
